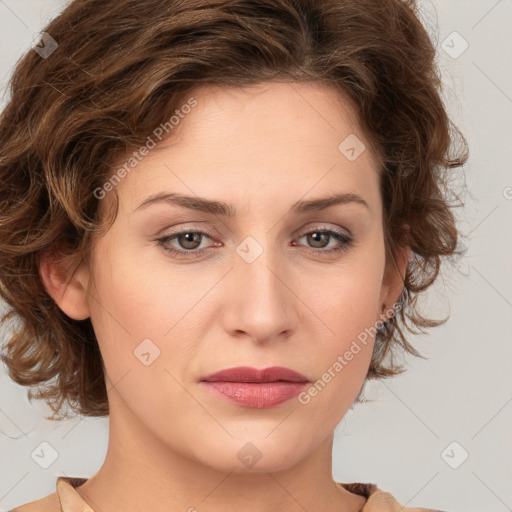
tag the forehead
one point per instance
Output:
(308, 110)
(253, 142)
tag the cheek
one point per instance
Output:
(132, 289)
(347, 298)
(350, 317)
(342, 356)
(127, 308)
(347, 306)
(138, 299)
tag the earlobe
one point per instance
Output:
(66, 285)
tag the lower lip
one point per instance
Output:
(256, 395)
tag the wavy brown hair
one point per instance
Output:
(121, 68)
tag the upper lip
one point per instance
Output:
(249, 374)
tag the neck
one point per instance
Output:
(141, 472)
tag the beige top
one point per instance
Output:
(67, 499)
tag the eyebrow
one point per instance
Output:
(221, 208)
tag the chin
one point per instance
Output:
(251, 455)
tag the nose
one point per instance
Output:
(262, 304)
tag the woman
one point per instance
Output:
(217, 218)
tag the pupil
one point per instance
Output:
(189, 239)
(317, 237)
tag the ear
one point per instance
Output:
(66, 283)
(393, 280)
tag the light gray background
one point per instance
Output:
(461, 394)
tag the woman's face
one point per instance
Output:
(261, 287)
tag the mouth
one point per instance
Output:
(255, 388)
(256, 376)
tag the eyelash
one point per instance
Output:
(346, 242)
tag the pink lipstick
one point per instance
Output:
(251, 387)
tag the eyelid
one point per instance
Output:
(344, 241)
(301, 233)
(325, 227)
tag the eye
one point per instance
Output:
(188, 240)
(319, 238)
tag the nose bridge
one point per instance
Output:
(262, 303)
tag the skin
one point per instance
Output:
(173, 445)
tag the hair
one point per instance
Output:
(121, 68)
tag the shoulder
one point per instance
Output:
(49, 504)
(379, 500)
(64, 499)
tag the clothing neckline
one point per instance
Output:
(71, 501)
